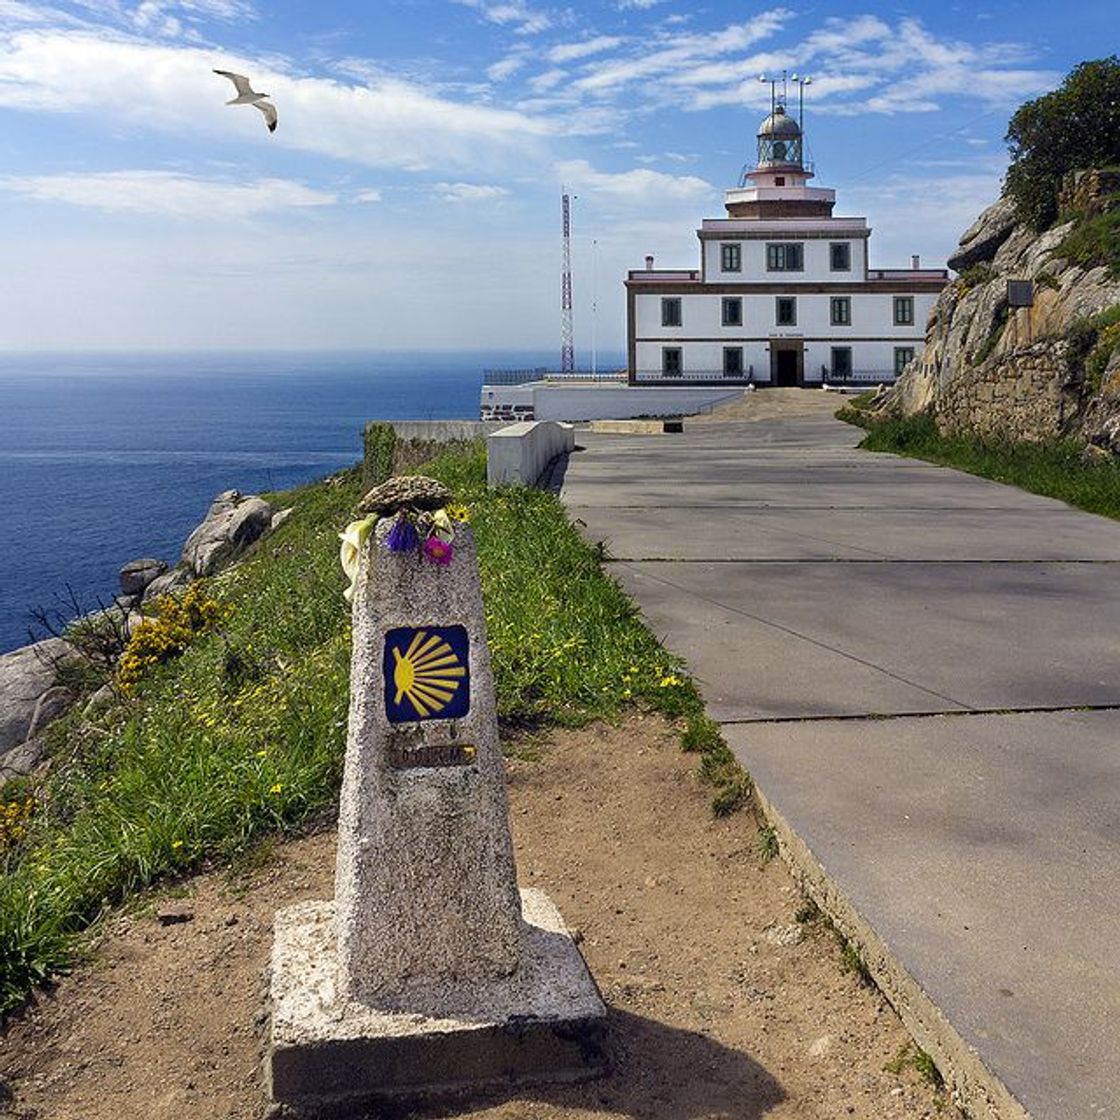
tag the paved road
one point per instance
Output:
(921, 669)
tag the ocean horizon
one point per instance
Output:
(107, 457)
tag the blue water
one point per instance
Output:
(110, 457)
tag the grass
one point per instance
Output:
(851, 960)
(1094, 241)
(912, 1056)
(241, 738)
(767, 843)
(1057, 470)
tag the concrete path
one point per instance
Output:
(921, 669)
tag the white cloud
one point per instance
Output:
(682, 52)
(468, 192)
(166, 87)
(506, 67)
(569, 52)
(371, 195)
(924, 214)
(524, 19)
(639, 185)
(548, 80)
(168, 194)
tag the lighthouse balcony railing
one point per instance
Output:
(663, 275)
(907, 274)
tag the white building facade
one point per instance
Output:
(784, 294)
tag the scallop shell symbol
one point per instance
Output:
(428, 673)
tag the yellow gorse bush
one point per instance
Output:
(14, 816)
(176, 624)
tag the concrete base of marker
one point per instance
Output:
(328, 1054)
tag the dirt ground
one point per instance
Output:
(721, 1003)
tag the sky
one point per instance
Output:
(410, 196)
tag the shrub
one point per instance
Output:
(976, 274)
(1094, 241)
(14, 816)
(176, 624)
(379, 441)
(1073, 127)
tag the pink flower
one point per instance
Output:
(438, 552)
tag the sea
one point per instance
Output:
(105, 458)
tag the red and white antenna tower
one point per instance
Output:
(567, 334)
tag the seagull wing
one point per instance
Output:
(240, 83)
(269, 111)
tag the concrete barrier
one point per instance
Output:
(519, 453)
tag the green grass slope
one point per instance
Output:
(243, 735)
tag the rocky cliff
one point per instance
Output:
(1035, 373)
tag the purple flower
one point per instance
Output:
(439, 552)
(402, 537)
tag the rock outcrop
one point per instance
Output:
(1021, 373)
(232, 525)
(137, 574)
(29, 700)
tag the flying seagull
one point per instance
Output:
(246, 95)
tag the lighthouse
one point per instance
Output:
(785, 294)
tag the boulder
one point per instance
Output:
(280, 517)
(23, 759)
(234, 522)
(171, 581)
(137, 574)
(28, 697)
(984, 237)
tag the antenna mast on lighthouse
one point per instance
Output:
(567, 334)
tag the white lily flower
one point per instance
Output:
(441, 526)
(354, 539)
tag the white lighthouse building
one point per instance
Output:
(784, 294)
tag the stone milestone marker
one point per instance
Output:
(429, 970)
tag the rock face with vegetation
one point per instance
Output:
(1040, 373)
(1050, 371)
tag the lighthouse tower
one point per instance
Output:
(777, 185)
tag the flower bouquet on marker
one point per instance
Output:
(429, 532)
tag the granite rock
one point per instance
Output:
(137, 574)
(232, 524)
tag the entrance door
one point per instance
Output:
(786, 365)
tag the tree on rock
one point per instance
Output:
(1074, 127)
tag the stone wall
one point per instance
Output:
(1089, 192)
(1020, 396)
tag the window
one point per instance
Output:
(671, 312)
(786, 311)
(841, 311)
(731, 258)
(903, 356)
(732, 311)
(785, 257)
(903, 311)
(840, 256)
(671, 364)
(732, 361)
(842, 362)
(779, 180)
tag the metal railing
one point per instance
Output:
(749, 377)
(860, 377)
(686, 376)
(525, 376)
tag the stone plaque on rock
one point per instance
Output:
(430, 969)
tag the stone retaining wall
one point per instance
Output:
(1018, 397)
